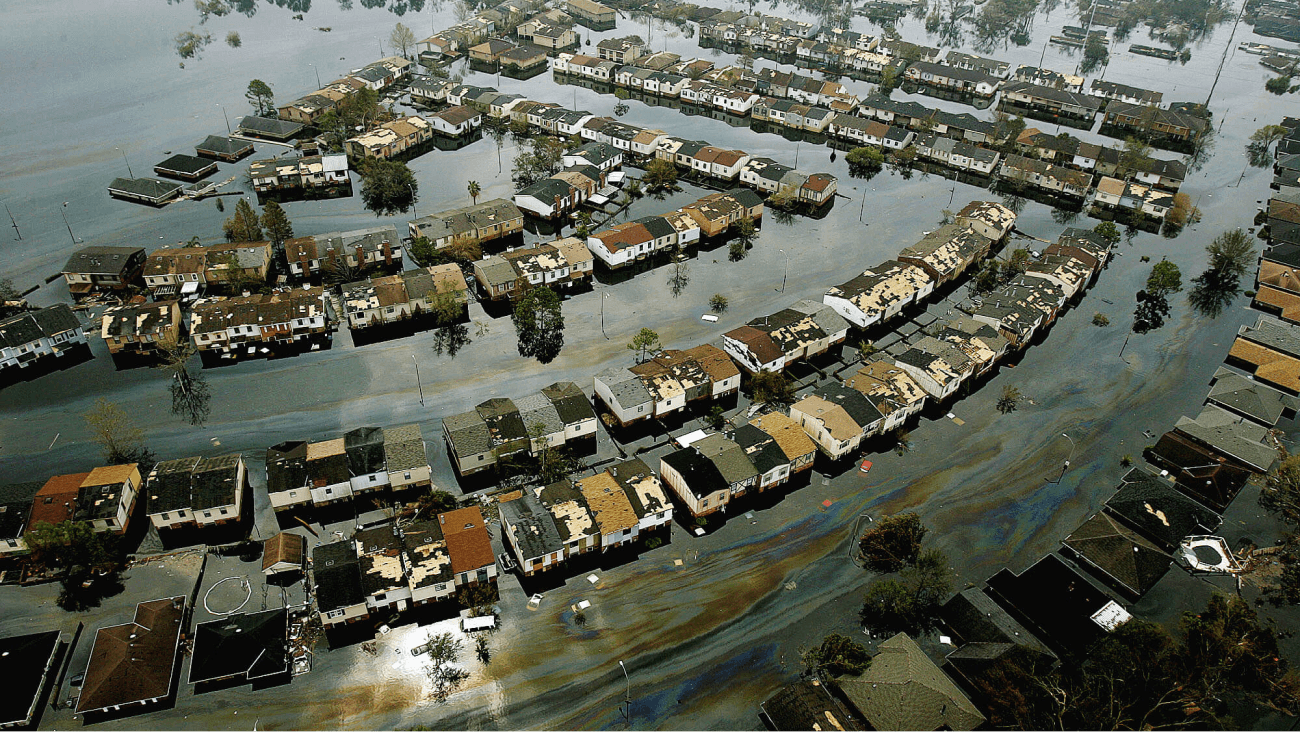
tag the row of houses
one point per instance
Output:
(364, 461)
(390, 568)
(105, 498)
(546, 526)
(667, 383)
(309, 108)
(500, 428)
(377, 301)
(562, 264)
(625, 244)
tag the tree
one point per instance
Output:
(892, 542)
(1135, 155)
(120, 441)
(444, 676)
(540, 160)
(276, 224)
(402, 39)
(89, 560)
(680, 277)
(233, 40)
(771, 387)
(474, 190)
(889, 80)
(1278, 84)
(717, 419)
(1094, 53)
(189, 391)
(1281, 491)
(660, 175)
(621, 109)
(539, 324)
(1165, 279)
(718, 303)
(1108, 231)
(11, 300)
(360, 109)
(746, 232)
(190, 44)
(865, 162)
(388, 187)
(1261, 140)
(837, 655)
(909, 604)
(434, 502)
(643, 343)
(1009, 400)
(259, 95)
(1231, 255)
(1099, 320)
(244, 225)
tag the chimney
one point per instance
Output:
(388, 252)
(361, 256)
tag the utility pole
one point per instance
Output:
(65, 222)
(417, 378)
(128, 163)
(14, 222)
(785, 271)
(628, 699)
(223, 114)
(313, 68)
(602, 315)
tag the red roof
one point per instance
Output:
(56, 501)
(468, 543)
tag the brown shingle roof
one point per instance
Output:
(56, 500)
(467, 539)
(134, 662)
(607, 500)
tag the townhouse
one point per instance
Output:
(391, 139)
(805, 329)
(964, 80)
(483, 222)
(1128, 195)
(561, 264)
(364, 460)
(890, 389)
(1051, 100)
(395, 298)
(1046, 176)
(1020, 308)
(102, 269)
(946, 253)
(107, 497)
(1182, 122)
(31, 337)
(556, 416)
(294, 174)
(837, 419)
(141, 328)
(667, 383)
(879, 293)
(196, 492)
(362, 249)
(237, 326)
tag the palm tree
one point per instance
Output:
(474, 190)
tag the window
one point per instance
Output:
(335, 613)
(165, 517)
(224, 512)
(207, 514)
(374, 478)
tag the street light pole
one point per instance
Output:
(602, 315)
(226, 116)
(1067, 460)
(128, 163)
(786, 270)
(65, 222)
(317, 71)
(628, 700)
(417, 378)
(413, 211)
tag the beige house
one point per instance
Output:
(106, 499)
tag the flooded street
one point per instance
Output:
(704, 641)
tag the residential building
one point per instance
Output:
(188, 269)
(987, 218)
(1020, 308)
(1277, 283)
(249, 647)
(29, 662)
(284, 552)
(803, 330)
(1231, 436)
(592, 14)
(1049, 79)
(400, 297)
(501, 427)
(134, 663)
(268, 129)
(880, 293)
(561, 264)
(716, 212)
(574, 519)
(56, 501)
(102, 269)
(455, 121)
(380, 557)
(1181, 122)
(195, 492)
(391, 139)
(106, 498)
(1072, 275)
(469, 547)
(32, 337)
(429, 91)
(428, 561)
(531, 533)
(309, 172)
(482, 222)
(904, 689)
(807, 704)
(336, 570)
(16, 503)
(141, 328)
(968, 81)
(1126, 560)
(489, 51)
(1051, 100)
(1114, 91)
(253, 325)
(383, 73)
(667, 383)
(559, 194)
(890, 389)
(1129, 195)
(227, 149)
(1152, 506)
(405, 457)
(621, 50)
(837, 419)
(991, 67)
(545, 34)
(1049, 177)
(946, 253)
(288, 484)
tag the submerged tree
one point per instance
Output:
(1231, 254)
(909, 604)
(539, 324)
(837, 655)
(865, 162)
(388, 187)
(1259, 149)
(1010, 399)
(191, 398)
(120, 440)
(259, 95)
(892, 542)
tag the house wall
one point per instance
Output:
(344, 615)
(283, 500)
(326, 495)
(400, 479)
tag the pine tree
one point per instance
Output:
(243, 226)
(276, 223)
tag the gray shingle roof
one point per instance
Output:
(903, 689)
(404, 448)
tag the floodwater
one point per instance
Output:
(706, 641)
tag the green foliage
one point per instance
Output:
(539, 324)
(189, 390)
(837, 655)
(233, 40)
(120, 440)
(909, 604)
(1095, 54)
(892, 542)
(643, 343)
(244, 225)
(89, 561)
(1010, 399)
(1108, 231)
(717, 419)
(275, 222)
(359, 109)
(475, 190)
(1261, 140)
(1231, 254)
(540, 160)
(865, 162)
(190, 44)
(1165, 279)
(1099, 320)
(444, 677)
(771, 387)
(1280, 494)
(1278, 85)
(718, 303)
(388, 187)
(259, 95)
(736, 250)
(660, 175)
(435, 501)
